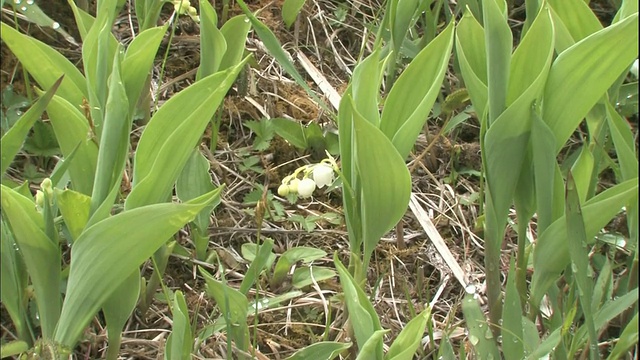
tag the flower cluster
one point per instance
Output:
(183, 7)
(45, 192)
(314, 175)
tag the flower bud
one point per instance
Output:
(283, 190)
(306, 187)
(323, 175)
(39, 199)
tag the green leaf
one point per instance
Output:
(577, 18)
(172, 134)
(180, 341)
(480, 334)
(512, 332)
(365, 88)
(384, 198)
(498, 42)
(471, 53)
(114, 141)
(325, 350)
(551, 256)
(12, 140)
(234, 308)
(74, 134)
(110, 251)
(627, 340)
(257, 265)
(412, 96)
(370, 348)
(117, 310)
(41, 255)
(46, 65)
(138, 60)
(581, 74)
(305, 276)
(362, 315)
(405, 345)
(235, 31)
(195, 180)
(212, 42)
(290, 130)
(290, 11)
(13, 282)
(74, 207)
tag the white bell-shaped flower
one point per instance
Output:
(306, 187)
(323, 175)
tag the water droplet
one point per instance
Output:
(246, 20)
(55, 25)
(574, 267)
(470, 289)
(481, 326)
(17, 2)
(30, 2)
(499, 339)
(488, 334)
(629, 96)
(19, 113)
(617, 104)
(24, 8)
(474, 340)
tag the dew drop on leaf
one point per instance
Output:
(474, 340)
(55, 25)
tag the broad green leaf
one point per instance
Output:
(412, 96)
(117, 310)
(72, 131)
(248, 251)
(306, 276)
(46, 65)
(582, 170)
(628, 8)
(41, 255)
(172, 134)
(98, 52)
(512, 332)
(180, 342)
(114, 141)
(13, 282)
(551, 253)
(472, 56)
(498, 42)
(400, 19)
(75, 208)
(547, 346)
(290, 130)
(384, 198)
(532, 57)
(257, 265)
(110, 251)
(13, 139)
(84, 21)
(138, 60)
(576, 17)
(365, 88)
(480, 334)
(292, 256)
(363, 317)
(582, 74)
(370, 348)
(234, 308)
(195, 180)
(545, 171)
(290, 10)
(235, 31)
(212, 42)
(325, 350)
(406, 344)
(12, 348)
